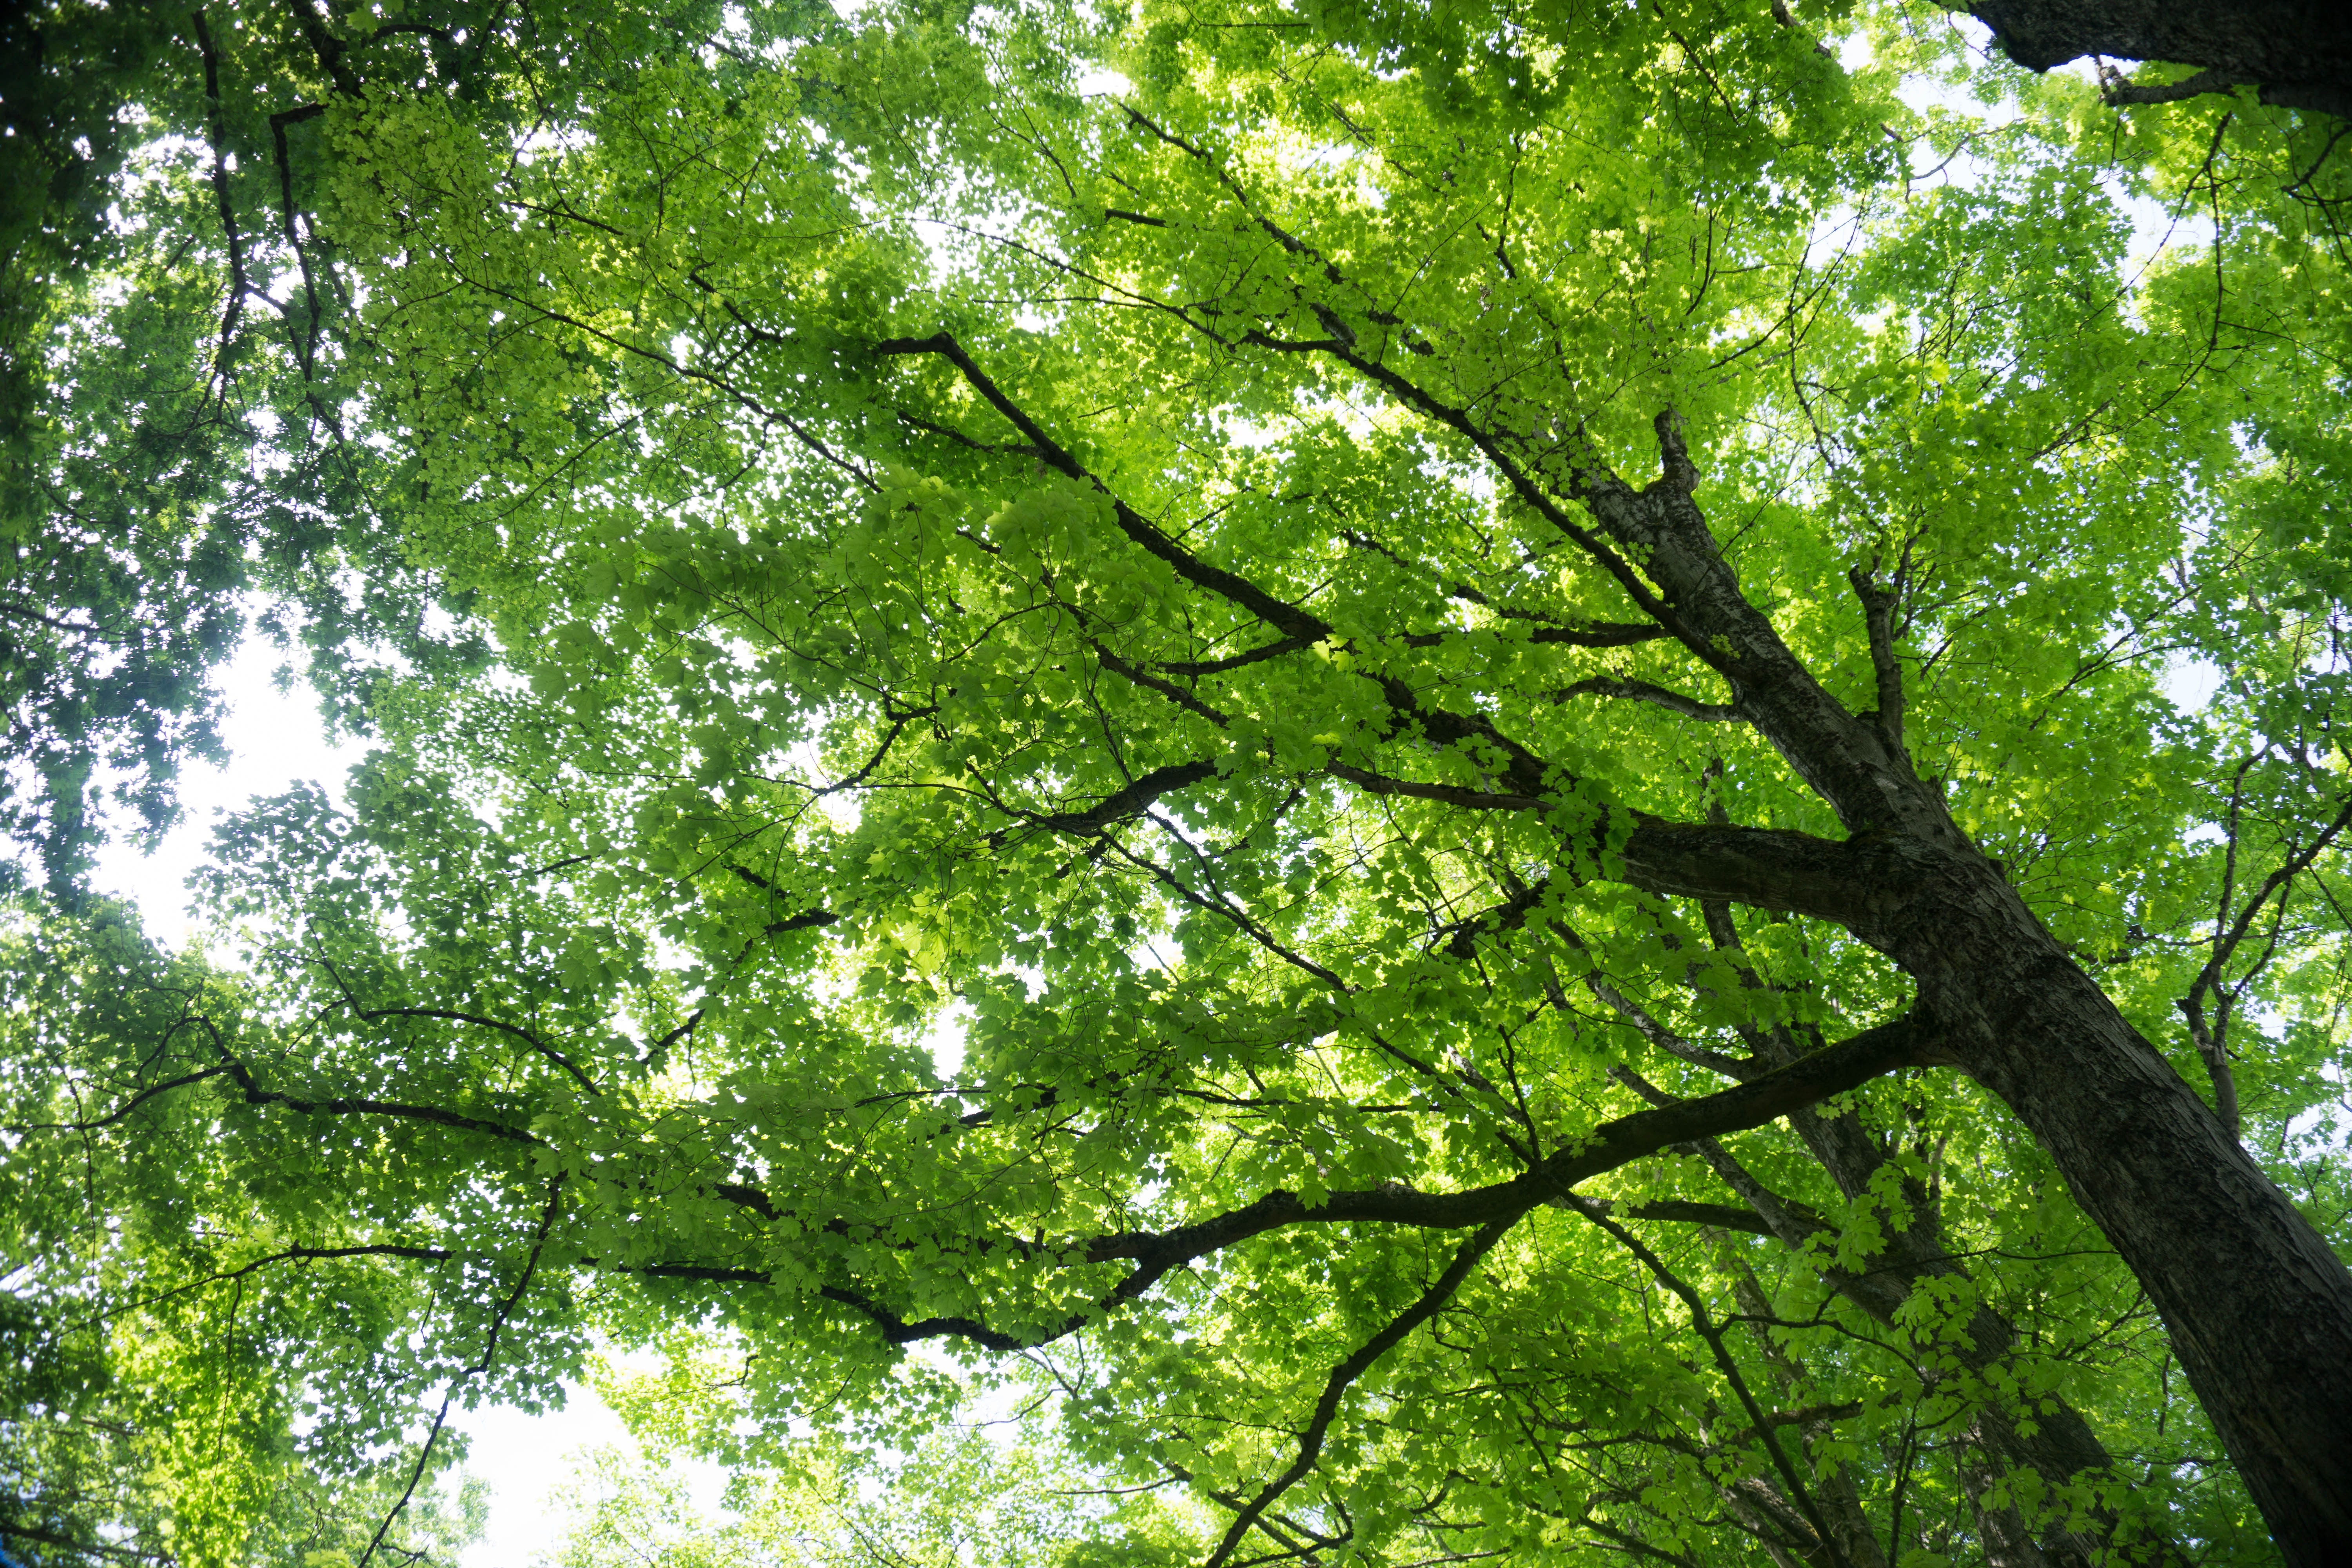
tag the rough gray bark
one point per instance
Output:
(2060, 1446)
(2000, 1528)
(1834, 1494)
(2298, 52)
(2259, 1307)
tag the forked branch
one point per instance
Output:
(1879, 603)
(2210, 1032)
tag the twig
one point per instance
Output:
(217, 134)
(489, 1353)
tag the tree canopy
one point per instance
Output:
(1429, 768)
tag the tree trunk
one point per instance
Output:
(2258, 1305)
(2299, 52)
(2001, 1530)
(2062, 1446)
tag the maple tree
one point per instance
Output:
(1427, 756)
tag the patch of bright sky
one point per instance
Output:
(276, 740)
(2153, 228)
(532, 1462)
(2188, 684)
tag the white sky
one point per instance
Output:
(276, 739)
(527, 1459)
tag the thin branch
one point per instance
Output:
(121, 1111)
(450, 1016)
(1327, 1409)
(257, 1094)
(1659, 696)
(481, 1365)
(217, 134)
(307, 343)
(2211, 1038)
(1705, 1326)
(1288, 618)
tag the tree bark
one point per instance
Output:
(2000, 1528)
(2061, 1447)
(2298, 52)
(2259, 1307)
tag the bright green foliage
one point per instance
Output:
(153, 1388)
(959, 1498)
(183, 460)
(1047, 695)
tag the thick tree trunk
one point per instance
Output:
(2258, 1305)
(2001, 1532)
(2299, 52)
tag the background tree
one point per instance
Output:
(2293, 54)
(1107, 755)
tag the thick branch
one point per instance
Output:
(1235, 661)
(2298, 53)
(1879, 605)
(2119, 90)
(1450, 794)
(328, 48)
(1615, 1144)
(1765, 1099)
(257, 1094)
(1764, 868)
(1134, 799)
